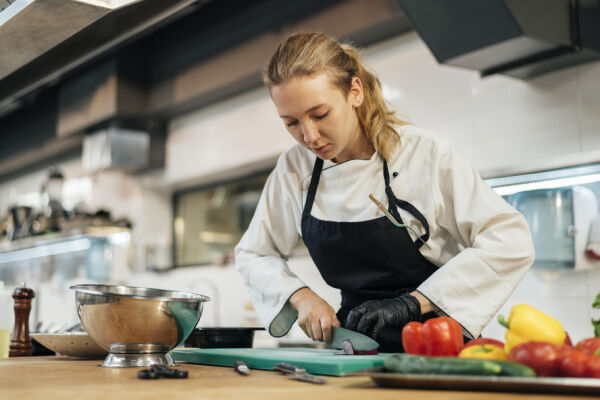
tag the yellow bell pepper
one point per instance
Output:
(483, 352)
(526, 323)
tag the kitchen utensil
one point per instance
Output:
(513, 384)
(138, 326)
(72, 344)
(22, 217)
(241, 368)
(314, 361)
(156, 371)
(393, 220)
(298, 373)
(358, 340)
(221, 337)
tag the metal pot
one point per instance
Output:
(208, 338)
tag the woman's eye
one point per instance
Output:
(291, 123)
(322, 115)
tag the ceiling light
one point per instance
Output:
(112, 4)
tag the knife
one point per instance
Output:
(241, 368)
(298, 373)
(358, 340)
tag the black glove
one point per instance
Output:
(373, 315)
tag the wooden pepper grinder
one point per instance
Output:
(20, 341)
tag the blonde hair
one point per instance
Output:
(305, 54)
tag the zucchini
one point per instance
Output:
(413, 364)
(514, 369)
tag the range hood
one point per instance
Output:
(41, 40)
(519, 38)
(29, 28)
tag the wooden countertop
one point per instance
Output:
(62, 378)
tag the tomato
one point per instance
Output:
(573, 363)
(412, 338)
(542, 357)
(589, 345)
(482, 340)
(592, 367)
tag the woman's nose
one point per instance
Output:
(310, 132)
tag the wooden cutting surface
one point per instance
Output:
(62, 378)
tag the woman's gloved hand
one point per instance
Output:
(373, 315)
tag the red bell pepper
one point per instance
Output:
(542, 357)
(589, 345)
(568, 340)
(412, 338)
(440, 336)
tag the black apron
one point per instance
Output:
(367, 260)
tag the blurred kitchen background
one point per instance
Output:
(135, 140)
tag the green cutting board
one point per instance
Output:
(315, 361)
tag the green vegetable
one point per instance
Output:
(514, 369)
(596, 322)
(414, 364)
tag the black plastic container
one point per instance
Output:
(214, 338)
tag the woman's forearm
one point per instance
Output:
(426, 305)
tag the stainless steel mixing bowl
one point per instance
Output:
(138, 326)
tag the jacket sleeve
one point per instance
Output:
(261, 254)
(496, 245)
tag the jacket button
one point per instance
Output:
(395, 174)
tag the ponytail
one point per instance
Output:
(375, 118)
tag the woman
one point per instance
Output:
(472, 248)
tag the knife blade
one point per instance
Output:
(358, 340)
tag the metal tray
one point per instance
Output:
(587, 386)
(72, 344)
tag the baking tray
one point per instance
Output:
(72, 344)
(582, 386)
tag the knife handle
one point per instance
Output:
(241, 368)
(288, 368)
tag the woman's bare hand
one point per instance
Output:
(315, 316)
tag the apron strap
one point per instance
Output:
(312, 188)
(405, 205)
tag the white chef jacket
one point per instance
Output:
(480, 244)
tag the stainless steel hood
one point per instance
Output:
(40, 40)
(520, 38)
(29, 28)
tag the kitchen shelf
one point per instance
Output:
(60, 243)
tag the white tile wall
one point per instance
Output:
(519, 146)
(228, 135)
(593, 283)
(589, 87)
(519, 106)
(590, 133)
